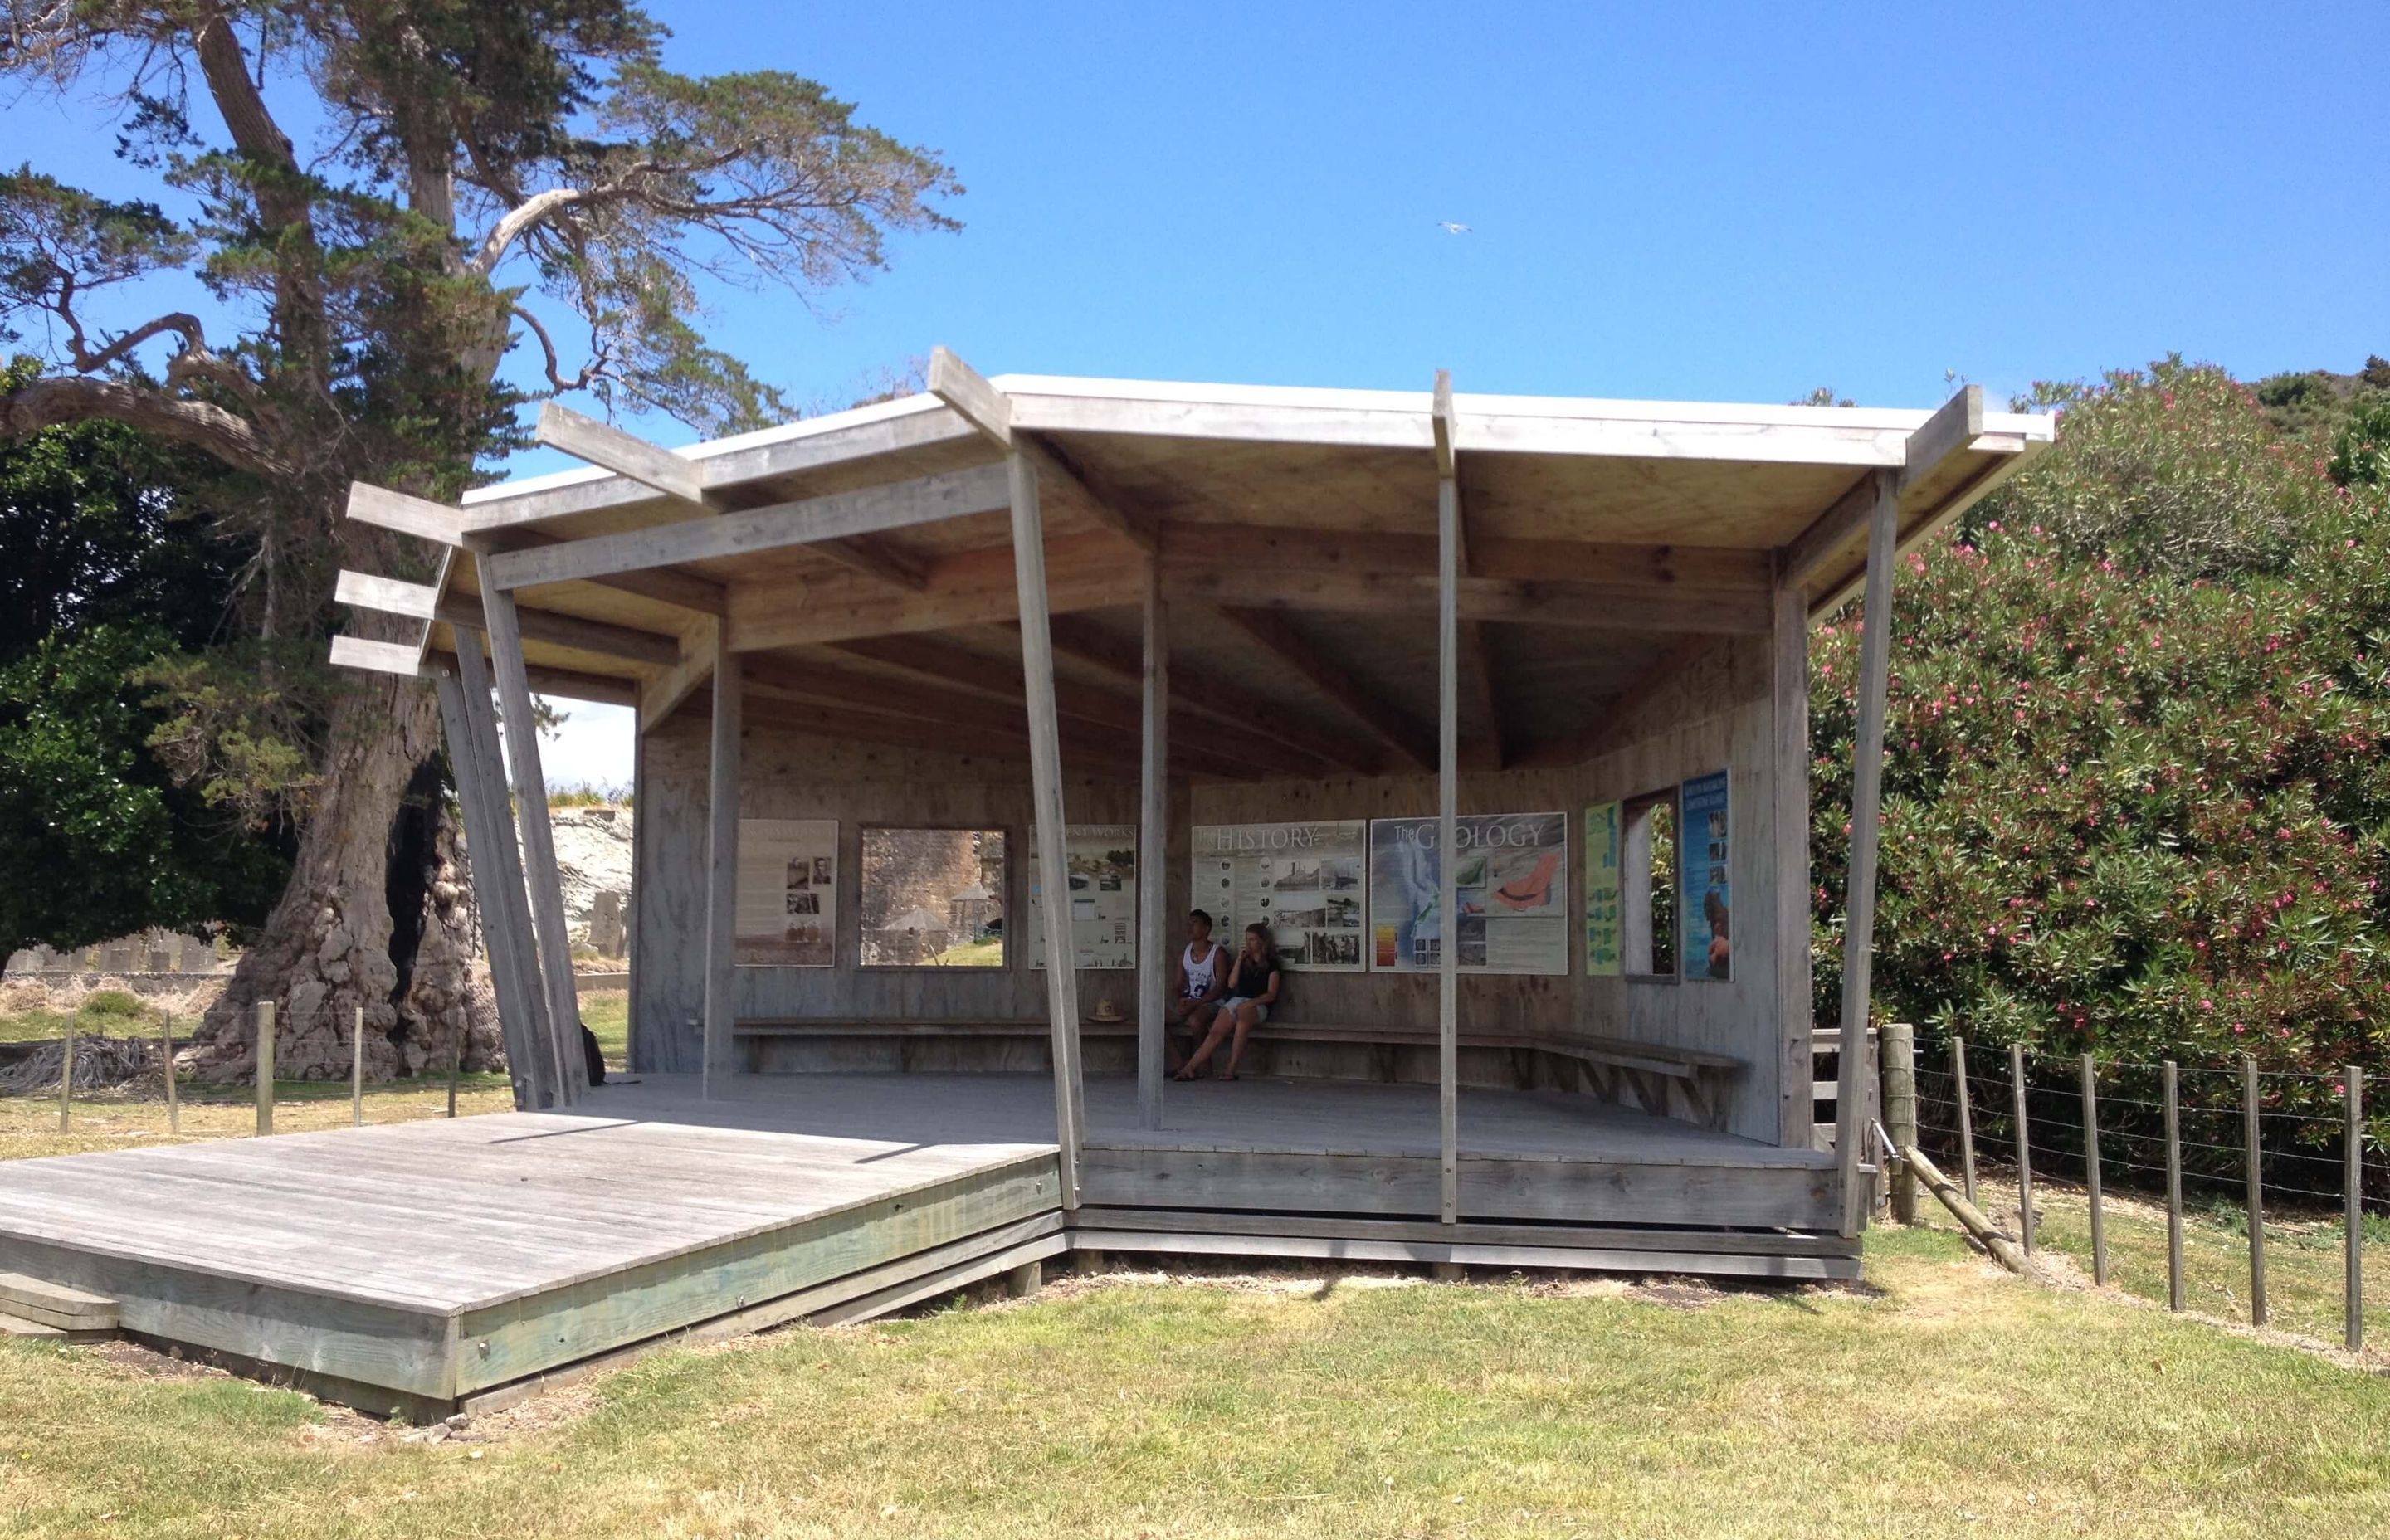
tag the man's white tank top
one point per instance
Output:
(1200, 974)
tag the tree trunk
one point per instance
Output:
(380, 837)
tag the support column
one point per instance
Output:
(518, 1017)
(721, 870)
(545, 888)
(1867, 796)
(511, 904)
(1154, 930)
(1053, 856)
(1788, 805)
(1447, 833)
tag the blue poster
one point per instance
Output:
(1703, 861)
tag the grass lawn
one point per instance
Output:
(1952, 1401)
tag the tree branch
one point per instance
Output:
(62, 401)
(562, 386)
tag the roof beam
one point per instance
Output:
(974, 587)
(995, 678)
(405, 513)
(1405, 735)
(562, 683)
(1950, 430)
(967, 392)
(989, 410)
(663, 584)
(424, 602)
(1590, 605)
(1669, 570)
(625, 455)
(700, 643)
(1079, 638)
(1607, 729)
(839, 515)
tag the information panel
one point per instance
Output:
(787, 913)
(1304, 880)
(1708, 954)
(1511, 881)
(1102, 892)
(1604, 955)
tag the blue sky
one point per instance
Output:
(1734, 202)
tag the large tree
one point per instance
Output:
(380, 201)
(109, 568)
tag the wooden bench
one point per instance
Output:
(1653, 1077)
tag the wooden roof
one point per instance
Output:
(860, 563)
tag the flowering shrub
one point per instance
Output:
(2136, 800)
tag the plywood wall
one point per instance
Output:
(1716, 714)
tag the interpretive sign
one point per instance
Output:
(1604, 954)
(1304, 880)
(787, 911)
(1511, 877)
(1702, 860)
(1102, 894)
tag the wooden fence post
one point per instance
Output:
(2023, 1147)
(2353, 1210)
(2174, 1188)
(2256, 1192)
(174, 1105)
(66, 1079)
(264, 1067)
(2091, 1172)
(1966, 1116)
(1900, 1114)
(357, 1072)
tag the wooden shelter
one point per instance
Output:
(1010, 607)
(1183, 606)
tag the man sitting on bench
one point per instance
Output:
(1200, 979)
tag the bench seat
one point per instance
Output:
(1670, 1082)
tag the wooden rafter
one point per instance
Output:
(990, 411)
(1412, 739)
(1076, 638)
(424, 602)
(939, 661)
(1605, 730)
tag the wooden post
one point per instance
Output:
(2352, 1214)
(2023, 1147)
(1447, 835)
(2174, 1188)
(66, 1078)
(1789, 778)
(2251, 1157)
(1900, 1114)
(543, 884)
(174, 1103)
(1966, 1116)
(1154, 930)
(357, 1072)
(1045, 781)
(497, 879)
(264, 1067)
(2091, 1172)
(721, 870)
(1867, 798)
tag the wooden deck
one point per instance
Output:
(427, 1265)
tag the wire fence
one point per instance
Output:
(95, 1071)
(2285, 1163)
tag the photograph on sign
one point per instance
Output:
(787, 911)
(1510, 879)
(1304, 880)
(1102, 889)
(1702, 860)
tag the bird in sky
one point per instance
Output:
(1451, 229)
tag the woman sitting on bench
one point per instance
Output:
(1253, 989)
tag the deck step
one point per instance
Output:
(54, 1305)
